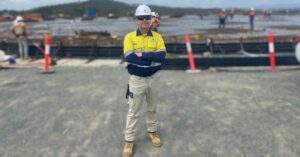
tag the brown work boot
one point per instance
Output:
(154, 138)
(128, 149)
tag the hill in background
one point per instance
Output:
(120, 9)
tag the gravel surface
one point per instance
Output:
(80, 112)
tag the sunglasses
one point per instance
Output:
(144, 17)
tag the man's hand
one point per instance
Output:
(138, 53)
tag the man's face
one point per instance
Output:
(144, 21)
(154, 22)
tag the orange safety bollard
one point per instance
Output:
(272, 52)
(190, 55)
(47, 55)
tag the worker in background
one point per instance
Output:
(154, 22)
(252, 16)
(19, 30)
(201, 16)
(144, 63)
(267, 13)
(222, 18)
(270, 13)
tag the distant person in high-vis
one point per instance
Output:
(251, 18)
(144, 51)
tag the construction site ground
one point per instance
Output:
(80, 110)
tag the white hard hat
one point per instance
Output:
(251, 8)
(224, 10)
(154, 14)
(143, 10)
(19, 18)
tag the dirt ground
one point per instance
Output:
(80, 112)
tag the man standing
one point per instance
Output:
(144, 51)
(251, 16)
(19, 30)
(222, 18)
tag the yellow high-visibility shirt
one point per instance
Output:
(151, 42)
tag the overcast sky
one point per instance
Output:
(28, 4)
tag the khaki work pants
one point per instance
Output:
(141, 88)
